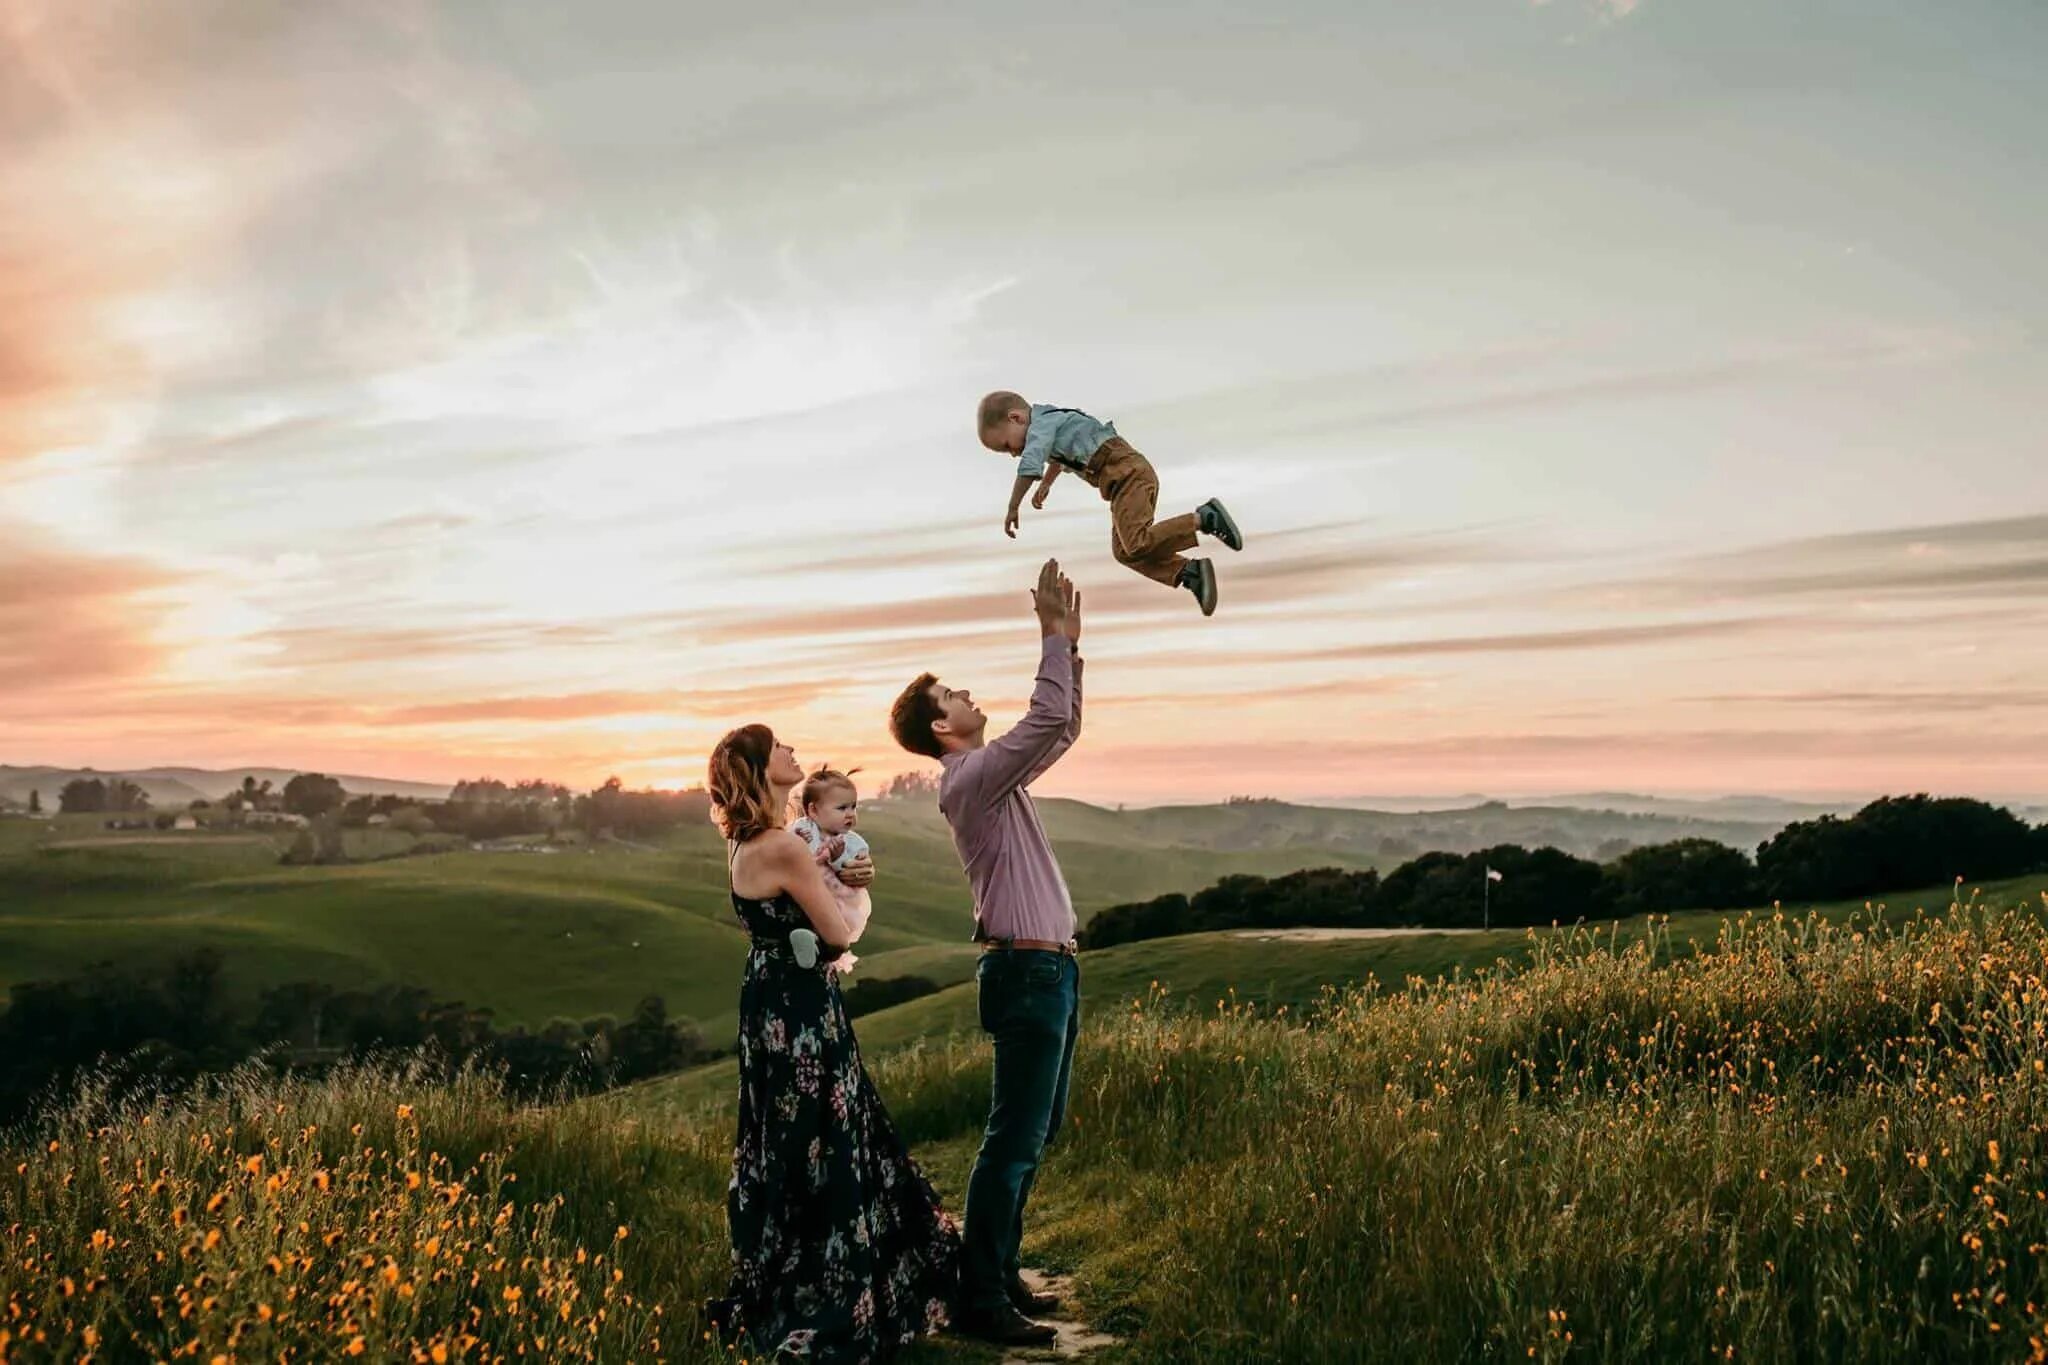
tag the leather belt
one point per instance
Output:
(1040, 945)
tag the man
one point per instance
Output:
(1029, 981)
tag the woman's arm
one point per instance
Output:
(789, 858)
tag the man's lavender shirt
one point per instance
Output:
(1018, 889)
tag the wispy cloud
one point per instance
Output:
(68, 617)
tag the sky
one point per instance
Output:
(1615, 394)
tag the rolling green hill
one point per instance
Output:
(530, 935)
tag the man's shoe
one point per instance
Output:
(1004, 1326)
(1199, 578)
(1214, 521)
(1030, 1303)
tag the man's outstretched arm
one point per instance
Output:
(1072, 631)
(1008, 761)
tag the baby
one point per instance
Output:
(1046, 440)
(827, 800)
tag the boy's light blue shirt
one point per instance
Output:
(1068, 435)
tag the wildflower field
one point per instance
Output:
(1810, 1140)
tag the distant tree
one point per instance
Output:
(313, 795)
(35, 803)
(1896, 843)
(320, 842)
(651, 1043)
(411, 820)
(1157, 918)
(640, 814)
(484, 791)
(1539, 886)
(82, 795)
(912, 786)
(1685, 874)
(124, 795)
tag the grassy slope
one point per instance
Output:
(531, 936)
(1205, 968)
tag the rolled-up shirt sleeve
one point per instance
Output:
(1021, 753)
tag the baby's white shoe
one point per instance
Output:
(804, 944)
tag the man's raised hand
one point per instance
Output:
(1049, 598)
(1073, 612)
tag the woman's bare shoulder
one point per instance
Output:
(767, 854)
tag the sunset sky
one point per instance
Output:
(1639, 394)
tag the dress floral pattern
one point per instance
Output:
(840, 1249)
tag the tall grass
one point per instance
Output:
(1809, 1142)
(369, 1215)
(1812, 1142)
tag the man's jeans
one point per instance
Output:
(1031, 1005)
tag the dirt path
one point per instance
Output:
(1076, 1338)
(1336, 935)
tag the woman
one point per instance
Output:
(840, 1249)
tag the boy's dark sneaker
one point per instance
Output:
(1214, 521)
(1004, 1326)
(1026, 1301)
(1199, 578)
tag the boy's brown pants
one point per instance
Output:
(1132, 491)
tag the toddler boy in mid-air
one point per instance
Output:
(1046, 440)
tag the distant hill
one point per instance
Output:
(171, 787)
(1777, 810)
(1393, 836)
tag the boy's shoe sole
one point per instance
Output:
(1204, 584)
(803, 946)
(1218, 523)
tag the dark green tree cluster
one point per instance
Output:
(1898, 843)
(313, 795)
(612, 809)
(139, 1031)
(91, 795)
(1893, 844)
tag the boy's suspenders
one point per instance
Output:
(1055, 455)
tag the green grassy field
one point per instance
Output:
(1220, 969)
(1806, 1139)
(531, 936)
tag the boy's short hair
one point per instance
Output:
(910, 719)
(996, 406)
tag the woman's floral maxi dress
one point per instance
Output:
(840, 1249)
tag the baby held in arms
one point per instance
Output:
(828, 800)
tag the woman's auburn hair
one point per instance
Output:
(742, 803)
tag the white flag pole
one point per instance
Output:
(1486, 899)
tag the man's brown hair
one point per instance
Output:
(910, 719)
(996, 406)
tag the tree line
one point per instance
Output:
(1895, 843)
(138, 1031)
